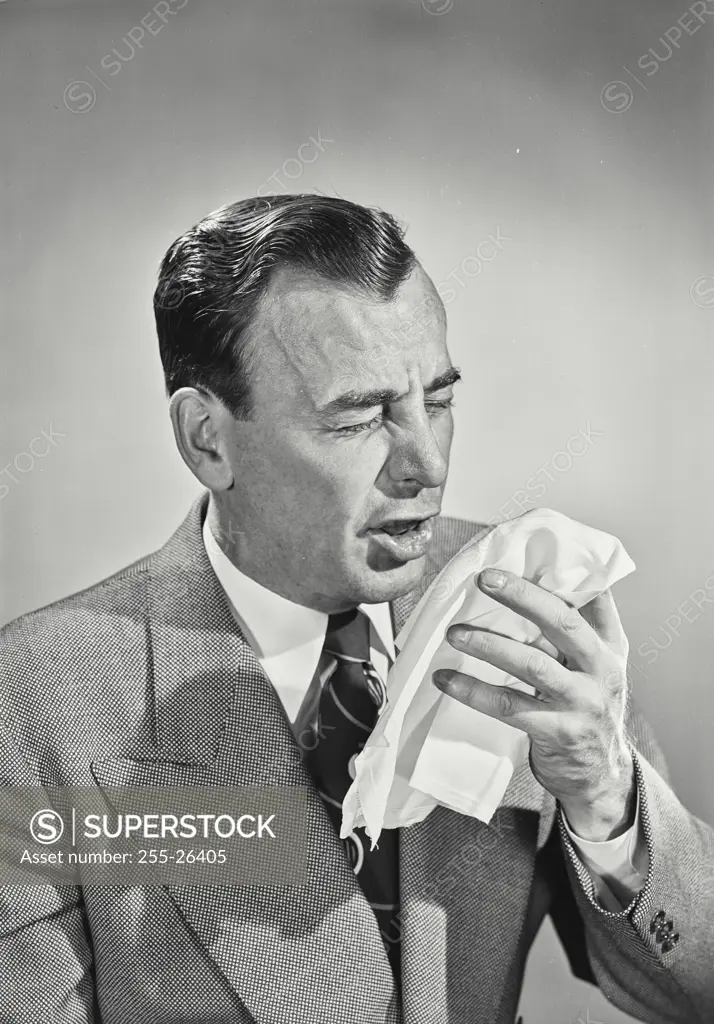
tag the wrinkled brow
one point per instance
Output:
(382, 396)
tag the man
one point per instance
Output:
(304, 350)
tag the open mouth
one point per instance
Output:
(404, 539)
(397, 527)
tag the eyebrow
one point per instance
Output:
(382, 396)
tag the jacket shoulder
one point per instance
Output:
(62, 650)
(109, 595)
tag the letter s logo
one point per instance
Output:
(79, 100)
(614, 100)
(46, 827)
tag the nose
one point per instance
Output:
(417, 458)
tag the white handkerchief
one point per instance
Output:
(427, 748)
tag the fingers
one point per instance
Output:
(601, 613)
(523, 661)
(541, 644)
(501, 702)
(562, 625)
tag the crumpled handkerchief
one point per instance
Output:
(427, 748)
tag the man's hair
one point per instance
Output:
(213, 277)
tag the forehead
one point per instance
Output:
(309, 335)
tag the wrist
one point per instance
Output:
(607, 812)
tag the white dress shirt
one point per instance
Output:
(288, 638)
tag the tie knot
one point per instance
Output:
(348, 635)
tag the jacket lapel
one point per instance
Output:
(465, 885)
(215, 720)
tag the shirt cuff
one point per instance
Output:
(618, 867)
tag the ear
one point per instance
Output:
(201, 423)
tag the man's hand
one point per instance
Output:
(576, 719)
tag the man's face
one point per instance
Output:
(349, 441)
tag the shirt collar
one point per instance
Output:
(273, 624)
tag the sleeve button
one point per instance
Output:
(657, 920)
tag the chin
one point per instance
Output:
(378, 587)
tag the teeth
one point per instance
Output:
(400, 528)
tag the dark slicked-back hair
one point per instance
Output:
(213, 277)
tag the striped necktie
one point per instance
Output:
(351, 699)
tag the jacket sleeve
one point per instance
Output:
(46, 962)
(655, 958)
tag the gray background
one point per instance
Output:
(461, 118)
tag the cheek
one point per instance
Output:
(330, 484)
(352, 480)
(349, 477)
(278, 477)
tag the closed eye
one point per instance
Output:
(432, 407)
(445, 403)
(357, 428)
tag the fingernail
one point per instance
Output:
(442, 677)
(457, 634)
(493, 578)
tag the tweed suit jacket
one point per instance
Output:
(147, 673)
